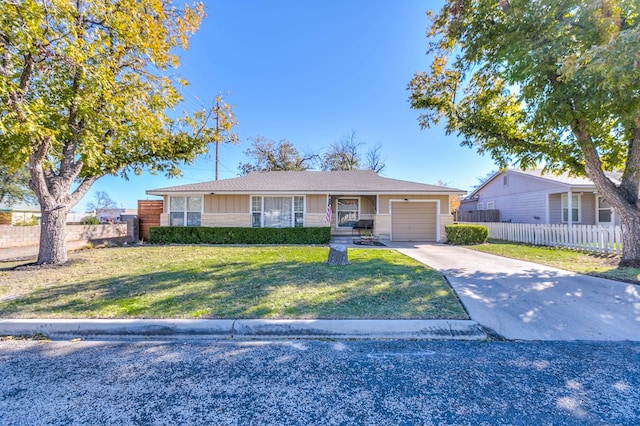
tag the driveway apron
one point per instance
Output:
(526, 301)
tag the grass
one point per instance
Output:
(227, 282)
(599, 265)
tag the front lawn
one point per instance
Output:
(228, 282)
(605, 266)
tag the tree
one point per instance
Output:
(374, 160)
(14, 186)
(345, 155)
(549, 81)
(268, 155)
(102, 202)
(84, 87)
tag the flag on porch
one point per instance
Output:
(328, 217)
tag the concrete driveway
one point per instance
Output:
(526, 301)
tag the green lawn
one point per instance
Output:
(227, 282)
(585, 263)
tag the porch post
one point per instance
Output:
(546, 209)
(570, 208)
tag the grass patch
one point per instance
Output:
(228, 282)
(599, 265)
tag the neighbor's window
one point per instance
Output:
(185, 211)
(575, 208)
(491, 205)
(348, 212)
(605, 213)
(277, 212)
(480, 206)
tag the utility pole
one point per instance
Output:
(217, 132)
(225, 120)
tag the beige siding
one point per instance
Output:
(316, 203)
(315, 220)
(382, 226)
(445, 219)
(385, 199)
(220, 220)
(226, 204)
(414, 221)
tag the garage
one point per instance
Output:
(414, 221)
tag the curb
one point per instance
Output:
(246, 329)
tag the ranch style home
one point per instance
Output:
(532, 196)
(399, 210)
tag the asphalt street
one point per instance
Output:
(304, 382)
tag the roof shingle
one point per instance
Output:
(362, 181)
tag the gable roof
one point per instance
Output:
(562, 178)
(354, 181)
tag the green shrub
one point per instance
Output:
(466, 234)
(90, 220)
(31, 221)
(205, 235)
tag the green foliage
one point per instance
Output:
(90, 220)
(205, 235)
(551, 81)
(85, 90)
(14, 185)
(466, 234)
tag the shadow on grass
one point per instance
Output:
(373, 288)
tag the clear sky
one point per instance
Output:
(310, 72)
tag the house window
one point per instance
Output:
(348, 212)
(491, 205)
(505, 180)
(605, 213)
(575, 208)
(185, 211)
(480, 206)
(277, 212)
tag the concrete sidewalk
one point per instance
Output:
(245, 329)
(526, 301)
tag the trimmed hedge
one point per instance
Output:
(466, 234)
(205, 235)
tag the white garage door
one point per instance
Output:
(414, 221)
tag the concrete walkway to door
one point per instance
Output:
(526, 301)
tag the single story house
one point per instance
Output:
(10, 214)
(400, 210)
(531, 196)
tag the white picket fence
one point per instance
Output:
(592, 238)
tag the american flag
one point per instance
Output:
(328, 217)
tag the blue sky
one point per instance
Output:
(310, 72)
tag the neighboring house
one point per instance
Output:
(400, 210)
(114, 215)
(530, 196)
(18, 212)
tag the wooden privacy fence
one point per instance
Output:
(478, 215)
(592, 238)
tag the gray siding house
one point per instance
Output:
(531, 196)
(400, 210)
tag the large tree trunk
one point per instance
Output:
(630, 224)
(53, 237)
